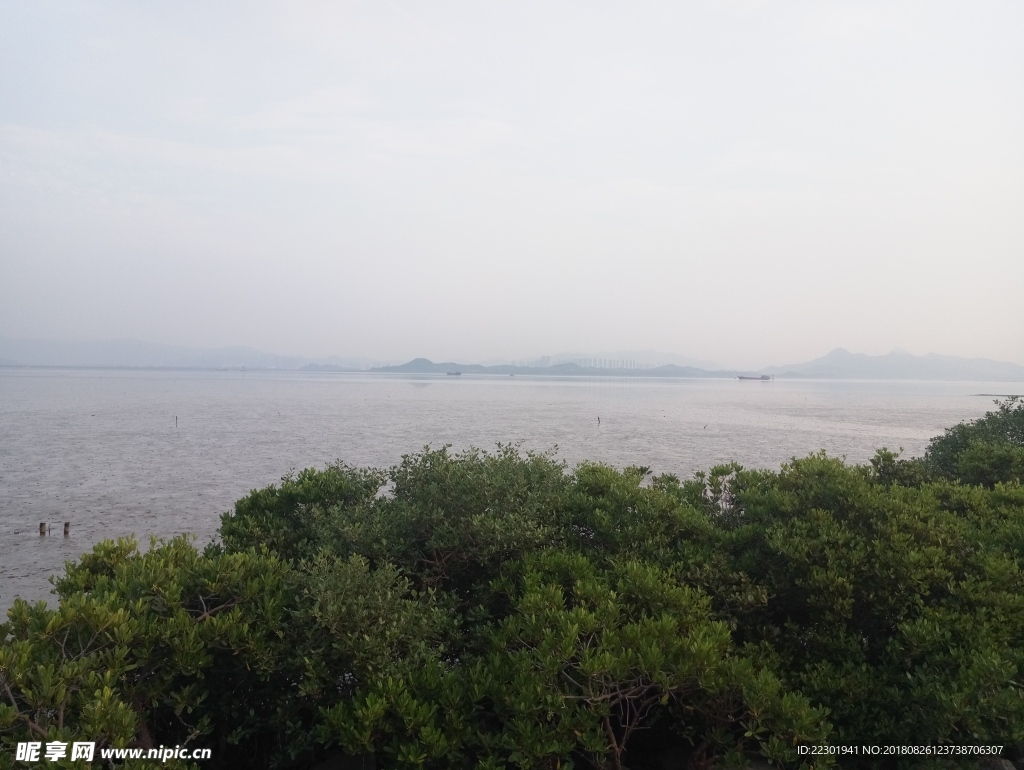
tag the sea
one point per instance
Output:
(157, 453)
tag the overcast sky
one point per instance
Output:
(749, 182)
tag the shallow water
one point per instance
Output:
(101, 449)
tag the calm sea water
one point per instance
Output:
(101, 449)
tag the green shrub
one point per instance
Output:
(986, 451)
(496, 610)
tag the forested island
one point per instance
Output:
(500, 610)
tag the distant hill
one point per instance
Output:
(138, 354)
(426, 366)
(900, 365)
(645, 356)
(838, 364)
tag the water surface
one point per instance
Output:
(101, 448)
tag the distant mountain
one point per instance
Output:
(900, 365)
(426, 366)
(838, 364)
(648, 357)
(138, 354)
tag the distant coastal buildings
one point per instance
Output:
(585, 363)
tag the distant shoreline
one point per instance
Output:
(670, 372)
(837, 364)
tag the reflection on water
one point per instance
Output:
(101, 448)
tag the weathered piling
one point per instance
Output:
(42, 529)
(67, 528)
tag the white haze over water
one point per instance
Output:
(748, 182)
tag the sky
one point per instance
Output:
(744, 181)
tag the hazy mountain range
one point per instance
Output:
(900, 365)
(149, 355)
(637, 357)
(426, 366)
(838, 364)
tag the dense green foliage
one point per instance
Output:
(500, 611)
(985, 451)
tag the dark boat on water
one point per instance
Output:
(762, 378)
(454, 374)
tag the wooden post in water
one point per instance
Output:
(42, 529)
(67, 528)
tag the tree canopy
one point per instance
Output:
(500, 610)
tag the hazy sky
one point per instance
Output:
(749, 182)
